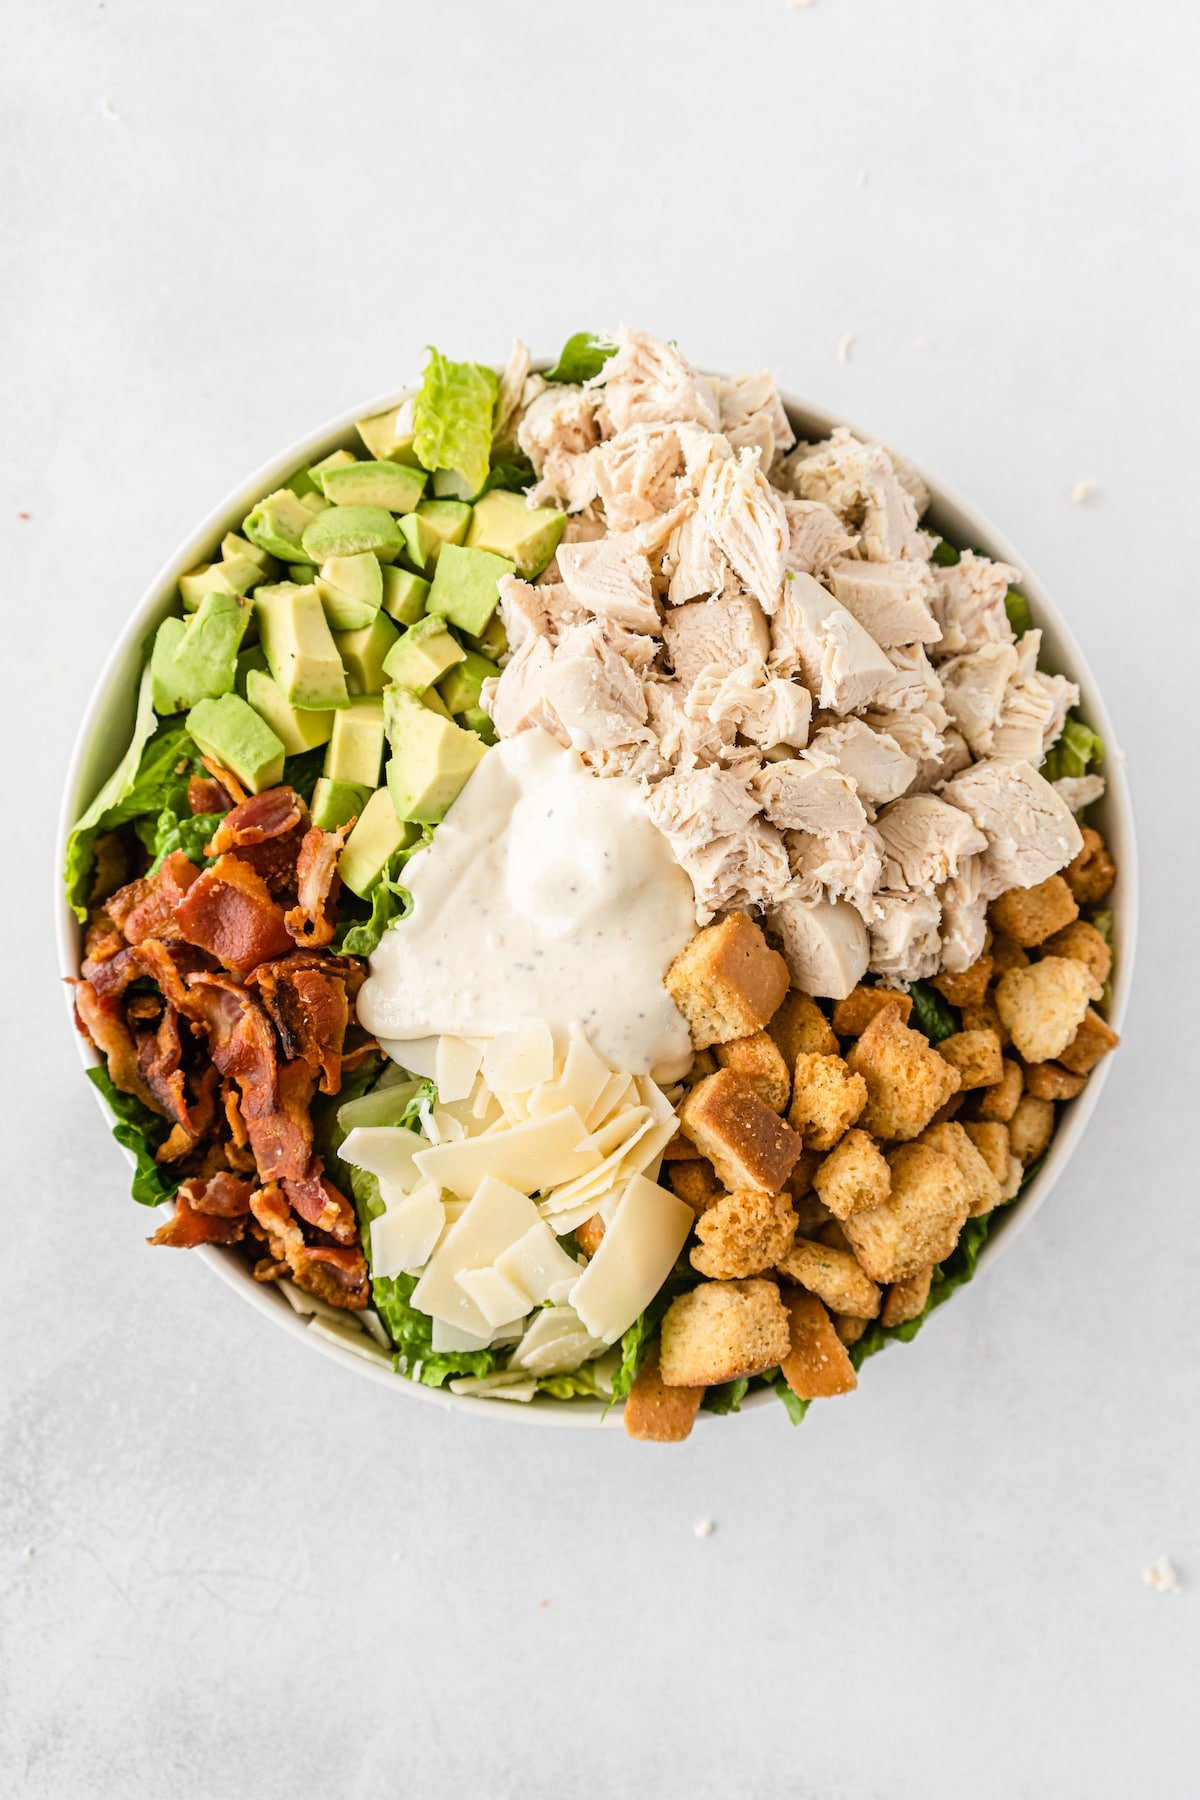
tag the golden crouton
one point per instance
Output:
(1043, 1006)
(826, 1100)
(748, 1145)
(906, 1079)
(800, 1181)
(680, 1149)
(815, 1365)
(1000, 1100)
(990, 1138)
(656, 1413)
(590, 1235)
(968, 988)
(852, 1015)
(984, 1017)
(723, 1330)
(1093, 871)
(810, 1215)
(800, 1026)
(1050, 1081)
(833, 1276)
(760, 1060)
(1006, 955)
(976, 1056)
(1031, 1128)
(1029, 915)
(854, 1174)
(743, 1234)
(696, 1183)
(1091, 1043)
(728, 982)
(907, 1299)
(849, 1329)
(703, 1063)
(950, 1110)
(983, 1188)
(1083, 943)
(919, 1222)
(831, 1233)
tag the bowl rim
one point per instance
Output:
(963, 520)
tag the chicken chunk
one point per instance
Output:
(879, 768)
(859, 482)
(711, 823)
(649, 477)
(798, 795)
(890, 600)
(968, 603)
(905, 936)
(605, 579)
(751, 414)
(816, 536)
(814, 636)
(1032, 717)
(688, 737)
(558, 433)
(693, 563)
(974, 686)
(648, 382)
(745, 518)
(824, 944)
(597, 697)
(964, 917)
(1030, 833)
(528, 611)
(728, 633)
(925, 842)
(844, 865)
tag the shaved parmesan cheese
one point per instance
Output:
(556, 1343)
(402, 1239)
(386, 1151)
(417, 1055)
(571, 1192)
(636, 1254)
(521, 1060)
(349, 1337)
(500, 1300)
(501, 1386)
(449, 1340)
(496, 1217)
(456, 1064)
(539, 1265)
(530, 1157)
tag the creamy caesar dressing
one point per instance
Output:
(546, 894)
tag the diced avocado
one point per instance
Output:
(277, 525)
(363, 652)
(452, 484)
(302, 573)
(384, 441)
(302, 485)
(476, 720)
(386, 484)
(349, 530)
(433, 700)
(297, 729)
(464, 587)
(355, 750)
(351, 590)
(527, 535)
(461, 687)
(492, 640)
(333, 802)
(423, 655)
(337, 459)
(253, 658)
(218, 578)
(372, 844)
(197, 659)
(233, 546)
(301, 653)
(433, 525)
(404, 595)
(232, 732)
(431, 758)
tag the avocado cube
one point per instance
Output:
(527, 535)
(492, 640)
(277, 525)
(476, 720)
(217, 578)
(431, 758)
(462, 686)
(386, 484)
(351, 590)
(372, 843)
(363, 653)
(232, 733)
(233, 546)
(253, 658)
(295, 728)
(336, 802)
(423, 655)
(464, 587)
(433, 525)
(355, 750)
(349, 530)
(388, 438)
(433, 700)
(303, 574)
(337, 459)
(404, 595)
(299, 646)
(197, 660)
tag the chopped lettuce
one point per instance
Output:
(513, 476)
(302, 771)
(1017, 608)
(581, 358)
(931, 1014)
(945, 556)
(129, 790)
(727, 1397)
(795, 1406)
(636, 1342)
(189, 832)
(141, 1131)
(389, 900)
(452, 418)
(1075, 752)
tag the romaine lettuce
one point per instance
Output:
(581, 358)
(389, 900)
(143, 1132)
(931, 1014)
(1017, 608)
(452, 418)
(127, 792)
(1075, 752)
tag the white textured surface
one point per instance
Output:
(229, 1570)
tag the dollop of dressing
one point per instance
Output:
(546, 893)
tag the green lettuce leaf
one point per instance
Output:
(1075, 752)
(637, 1340)
(119, 799)
(945, 556)
(389, 900)
(931, 1014)
(727, 1397)
(795, 1406)
(302, 770)
(580, 1383)
(141, 1131)
(452, 418)
(190, 833)
(1017, 608)
(581, 358)
(513, 476)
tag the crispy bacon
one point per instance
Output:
(102, 941)
(282, 1137)
(101, 1018)
(229, 912)
(309, 1009)
(190, 1226)
(318, 1203)
(160, 1055)
(145, 908)
(222, 1195)
(224, 779)
(316, 886)
(207, 795)
(335, 1274)
(272, 814)
(113, 974)
(167, 965)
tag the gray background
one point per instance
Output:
(227, 1568)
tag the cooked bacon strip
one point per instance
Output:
(167, 965)
(222, 1195)
(110, 865)
(100, 1016)
(160, 1055)
(309, 1009)
(207, 795)
(229, 911)
(102, 941)
(316, 886)
(282, 1138)
(268, 815)
(190, 1227)
(318, 1203)
(334, 1274)
(146, 907)
(177, 1144)
(113, 974)
(230, 783)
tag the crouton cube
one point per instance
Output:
(590, 1235)
(703, 1063)
(1029, 915)
(1050, 1081)
(1000, 1100)
(854, 1174)
(950, 1110)
(990, 1138)
(815, 1364)
(983, 1188)
(680, 1149)
(742, 1234)
(967, 988)
(1081, 942)
(1006, 955)
(1043, 1006)
(831, 1233)
(760, 1060)
(656, 1413)
(826, 1100)
(852, 1015)
(723, 1330)
(810, 1215)
(984, 1017)
(906, 1079)
(800, 1181)
(1091, 1043)
(1031, 1128)
(849, 1330)
(833, 1276)
(907, 1299)
(696, 1183)
(747, 1144)
(1093, 871)
(728, 982)
(976, 1056)
(801, 1026)
(919, 1222)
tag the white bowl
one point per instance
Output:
(104, 733)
